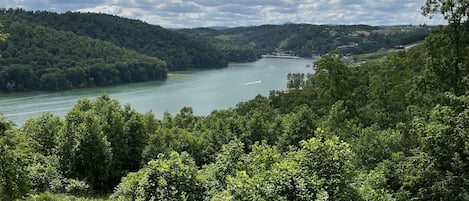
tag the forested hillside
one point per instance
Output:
(178, 51)
(40, 58)
(396, 129)
(306, 40)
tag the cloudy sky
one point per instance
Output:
(207, 13)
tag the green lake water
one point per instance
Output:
(204, 91)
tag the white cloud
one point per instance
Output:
(11, 3)
(197, 13)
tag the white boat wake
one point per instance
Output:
(251, 83)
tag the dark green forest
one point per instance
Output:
(178, 51)
(306, 40)
(40, 58)
(50, 51)
(396, 129)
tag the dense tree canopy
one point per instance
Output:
(40, 58)
(178, 51)
(452, 40)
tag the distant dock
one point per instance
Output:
(280, 56)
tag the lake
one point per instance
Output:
(204, 91)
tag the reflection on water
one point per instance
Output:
(204, 91)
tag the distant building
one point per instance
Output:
(399, 47)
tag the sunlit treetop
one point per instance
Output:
(3, 36)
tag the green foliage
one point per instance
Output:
(374, 145)
(256, 128)
(3, 36)
(299, 125)
(454, 11)
(171, 178)
(444, 138)
(295, 81)
(15, 156)
(76, 187)
(285, 102)
(45, 176)
(47, 196)
(447, 60)
(44, 131)
(319, 170)
(178, 51)
(410, 177)
(453, 39)
(388, 86)
(372, 186)
(221, 126)
(42, 58)
(214, 175)
(236, 53)
(83, 149)
(337, 122)
(331, 78)
(166, 140)
(331, 161)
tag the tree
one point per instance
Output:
(166, 140)
(83, 149)
(371, 186)
(411, 177)
(111, 119)
(44, 130)
(444, 137)
(15, 157)
(331, 78)
(214, 175)
(372, 146)
(295, 80)
(135, 138)
(318, 170)
(456, 12)
(256, 129)
(297, 126)
(221, 127)
(14, 181)
(389, 81)
(171, 177)
(3, 36)
(251, 181)
(337, 122)
(186, 119)
(331, 161)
